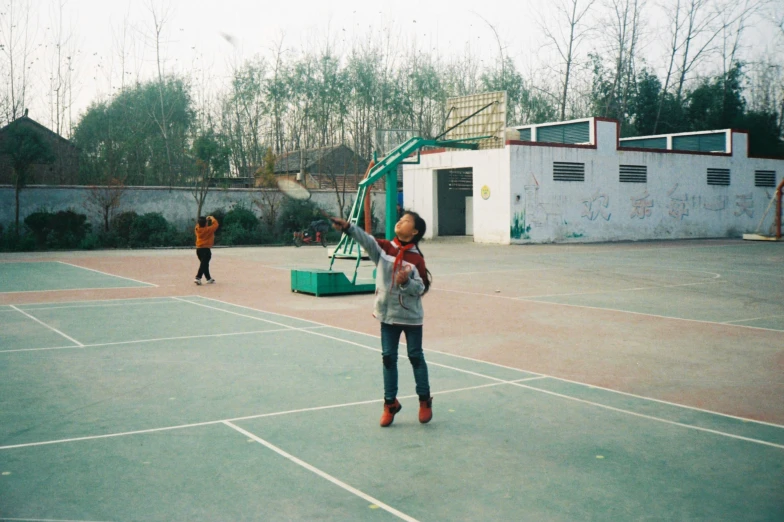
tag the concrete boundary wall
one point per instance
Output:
(177, 205)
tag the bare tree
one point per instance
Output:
(276, 91)
(702, 27)
(571, 15)
(268, 198)
(16, 46)
(498, 41)
(60, 75)
(160, 18)
(624, 23)
(106, 200)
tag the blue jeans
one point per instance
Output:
(390, 340)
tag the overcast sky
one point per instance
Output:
(196, 31)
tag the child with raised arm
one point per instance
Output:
(401, 281)
(205, 238)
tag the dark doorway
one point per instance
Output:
(454, 186)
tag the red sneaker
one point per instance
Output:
(389, 413)
(426, 410)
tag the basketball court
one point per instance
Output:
(608, 381)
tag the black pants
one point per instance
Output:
(204, 255)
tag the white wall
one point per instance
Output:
(490, 168)
(676, 201)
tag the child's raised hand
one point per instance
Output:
(339, 224)
(402, 275)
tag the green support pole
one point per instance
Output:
(391, 203)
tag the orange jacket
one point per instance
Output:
(205, 236)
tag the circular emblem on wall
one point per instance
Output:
(485, 192)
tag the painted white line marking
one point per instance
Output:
(684, 406)
(668, 403)
(753, 319)
(238, 314)
(76, 307)
(599, 292)
(345, 341)
(531, 300)
(649, 417)
(700, 321)
(322, 474)
(501, 271)
(41, 520)
(236, 419)
(136, 341)
(108, 274)
(430, 350)
(46, 325)
(74, 290)
(140, 300)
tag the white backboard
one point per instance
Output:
(489, 122)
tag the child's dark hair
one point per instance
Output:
(202, 221)
(421, 228)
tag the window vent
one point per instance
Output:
(633, 174)
(719, 177)
(567, 171)
(764, 178)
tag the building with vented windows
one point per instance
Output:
(579, 181)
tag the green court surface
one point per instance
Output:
(43, 276)
(191, 408)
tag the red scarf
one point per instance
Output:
(401, 250)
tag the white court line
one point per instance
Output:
(46, 325)
(241, 315)
(72, 290)
(543, 391)
(649, 417)
(544, 375)
(655, 287)
(345, 341)
(137, 341)
(753, 319)
(532, 300)
(247, 417)
(501, 271)
(141, 300)
(2, 519)
(684, 406)
(98, 305)
(322, 474)
(108, 274)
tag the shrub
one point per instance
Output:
(150, 229)
(10, 242)
(236, 234)
(38, 224)
(90, 242)
(121, 228)
(64, 229)
(296, 215)
(241, 216)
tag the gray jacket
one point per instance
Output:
(395, 304)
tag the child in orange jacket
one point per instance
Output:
(205, 238)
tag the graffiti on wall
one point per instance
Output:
(597, 205)
(641, 206)
(678, 206)
(744, 204)
(539, 213)
(519, 229)
(715, 203)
